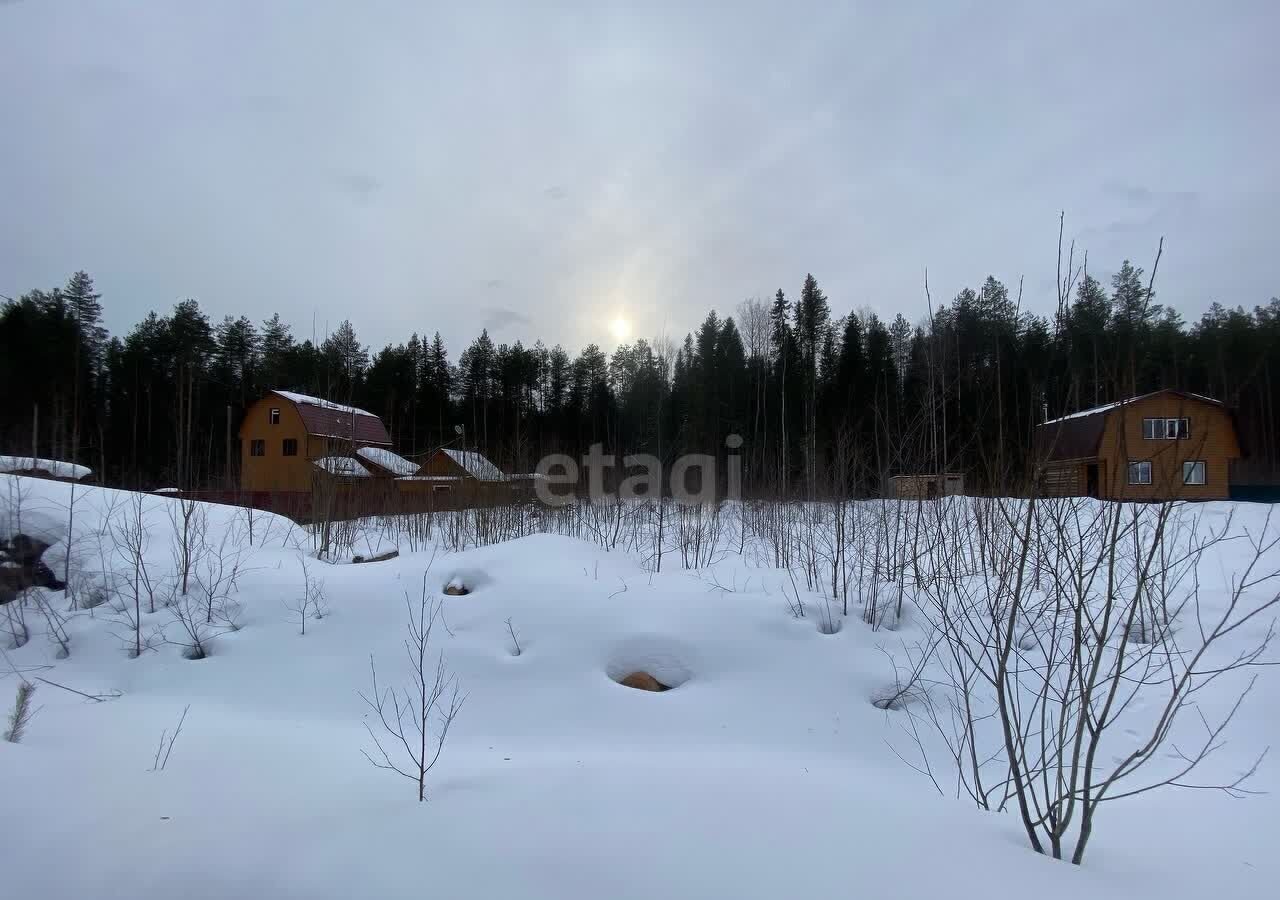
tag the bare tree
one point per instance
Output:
(311, 603)
(406, 715)
(1087, 614)
(131, 539)
(190, 521)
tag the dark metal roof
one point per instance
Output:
(1070, 438)
(322, 418)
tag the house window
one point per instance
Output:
(289, 447)
(1139, 471)
(442, 488)
(1193, 471)
(274, 416)
(1166, 429)
(258, 448)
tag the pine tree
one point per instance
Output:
(345, 359)
(84, 302)
(813, 315)
(276, 347)
(780, 322)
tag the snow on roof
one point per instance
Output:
(1093, 411)
(334, 420)
(385, 459)
(323, 404)
(1204, 398)
(55, 467)
(1083, 413)
(429, 478)
(343, 466)
(476, 465)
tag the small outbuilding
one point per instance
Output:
(927, 487)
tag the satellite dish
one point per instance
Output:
(457, 429)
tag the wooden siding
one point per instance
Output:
(440, 463)
(914, 487)
(274, 471)
(1212, 438)
(1063, 480)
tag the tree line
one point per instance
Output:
(822, 401)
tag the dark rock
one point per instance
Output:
(22, 568)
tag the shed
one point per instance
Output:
(927, 487)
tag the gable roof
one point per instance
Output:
(1076, 436)
(1108, 407)
(475, 464)
(324, 418)
(388, 461)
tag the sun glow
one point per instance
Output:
(620, 328)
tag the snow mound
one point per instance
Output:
(54, 467)
(666, 659)
(768, 773)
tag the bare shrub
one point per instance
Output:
(310, 604)
(139, 588)
(189, 522)
(406, 715)
(195, 631)
(167, 739)
(216, 571)
(55, 625)
(1037, 680)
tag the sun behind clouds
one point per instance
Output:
(620, 328)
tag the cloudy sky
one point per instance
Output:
(541, 169)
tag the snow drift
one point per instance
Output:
(768, 773)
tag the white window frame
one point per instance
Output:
(1160, 428)
(1189, 468)
(1141, 466)
(274, 415)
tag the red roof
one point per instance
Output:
(323, 418)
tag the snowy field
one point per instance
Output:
(766, 772)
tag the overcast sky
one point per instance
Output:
(539, 169)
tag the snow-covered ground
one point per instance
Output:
(766, 773)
